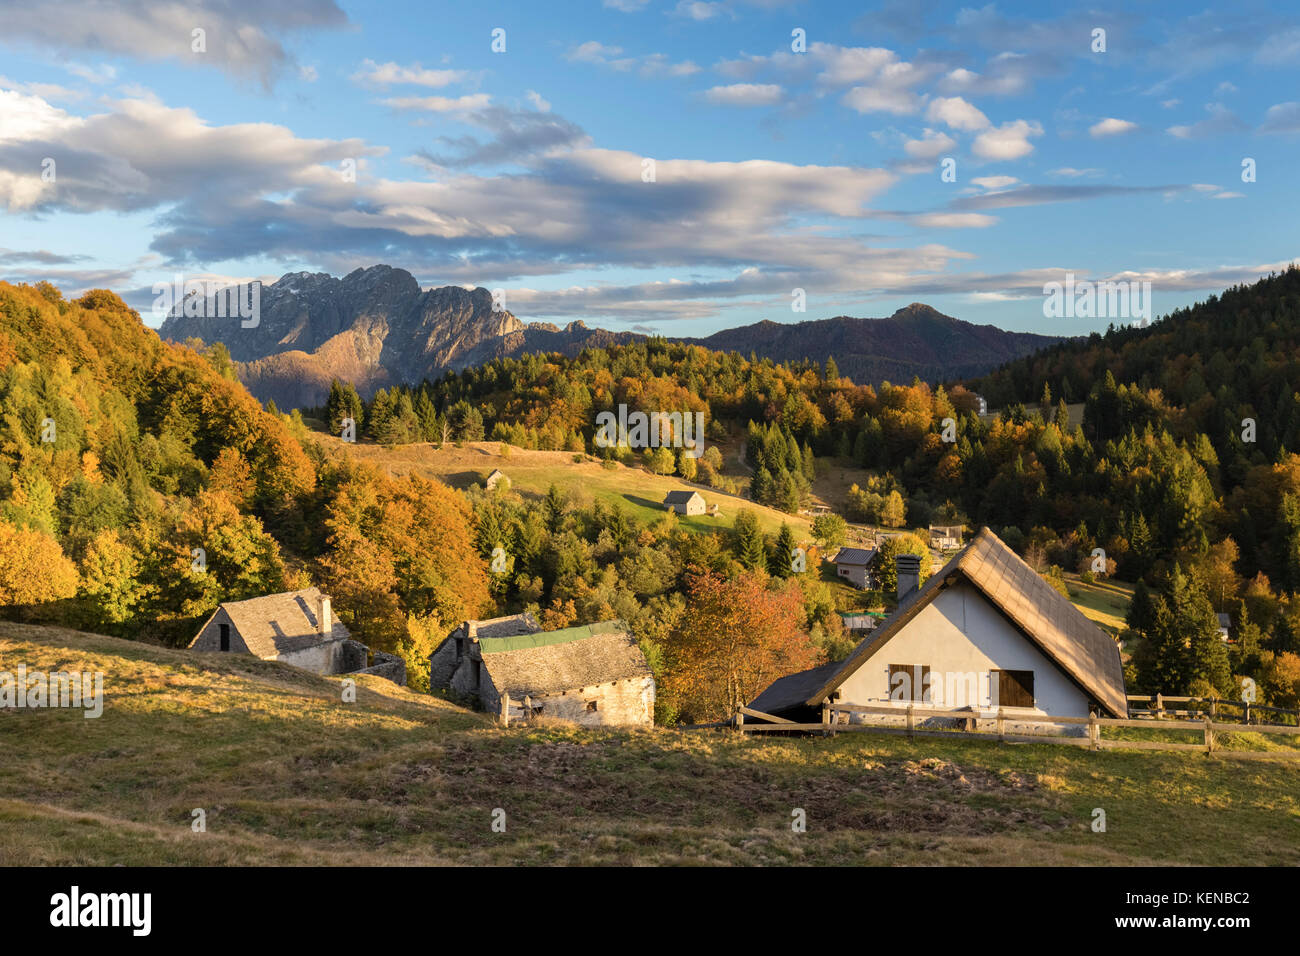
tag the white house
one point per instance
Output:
(854, 566)
(985, 632)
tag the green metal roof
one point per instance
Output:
(499, 645)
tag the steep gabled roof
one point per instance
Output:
(1083, 652)
(679, 497)
(568, 659)
(276, 624)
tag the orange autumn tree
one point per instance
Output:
(736, 637)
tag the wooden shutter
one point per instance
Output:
(1012, 688)
(915, 686)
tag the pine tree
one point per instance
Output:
(782, 558)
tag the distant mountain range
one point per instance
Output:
(376, 327)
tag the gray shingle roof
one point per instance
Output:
(552, 661)
(855, 556)
(275, 624)
(679, 497)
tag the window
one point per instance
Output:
(591, 706)
(225, 635)
(909, 682)
(1011, 688)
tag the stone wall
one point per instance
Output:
(623, 703)
(388, 666)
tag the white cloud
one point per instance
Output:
(1008, 141)
(394, 74)
(539, 104)
(1111, 126)
(995, 182)
(1282, 118)
(745, 94)
(931, 145)
(957, 114)
(440, 104)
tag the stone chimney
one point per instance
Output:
(909, 574)
(325, 615)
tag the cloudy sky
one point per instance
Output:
(672, 166)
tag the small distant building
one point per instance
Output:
(858, 622)
(495, 479)
(946, 537)
(1225, 627)
(685, 502)
(594, 675)
(296, 628)
(983, 405)
(854, 565)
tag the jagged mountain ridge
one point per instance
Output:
(376, 327)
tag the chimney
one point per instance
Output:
(325, 616)
(909, 574)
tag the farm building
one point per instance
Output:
(495, 479)
(593, 675)
(1225, 626)
(684, 502)
(297, 628)
(985, 632)
(854, 565)
(946, 537)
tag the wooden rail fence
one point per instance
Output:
(1208, 727)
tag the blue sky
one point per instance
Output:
(775, 168)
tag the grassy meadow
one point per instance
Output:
(289, 774)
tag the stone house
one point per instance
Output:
(854, 566)
(984, 632)
(685, 502)
(296, 628)
(594, 675)
(495, 479)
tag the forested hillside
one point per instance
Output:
(141, 485)
(1167, 475)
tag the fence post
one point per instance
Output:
(505, 710)
(1160, 706)
(1002, 726)
(1209, 736)
(1245, 716)
(1094, 731)
(740, 721)
(911, 721)
(1214, 707)
(528, 708)
(826, 717)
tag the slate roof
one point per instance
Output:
(508, 626)
(679, 497)
(855, 556)
(568, 659)
(276, 624)
(1082, 651)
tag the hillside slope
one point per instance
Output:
(288, 774)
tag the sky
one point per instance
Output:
(670, 167)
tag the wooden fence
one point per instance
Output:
(1249, 713)
(968, 719)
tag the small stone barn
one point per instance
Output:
(495, 479)
(685, 502)
(946, 537)
(297, 628)
(985, 632)
(854, 566)
(594, 675)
